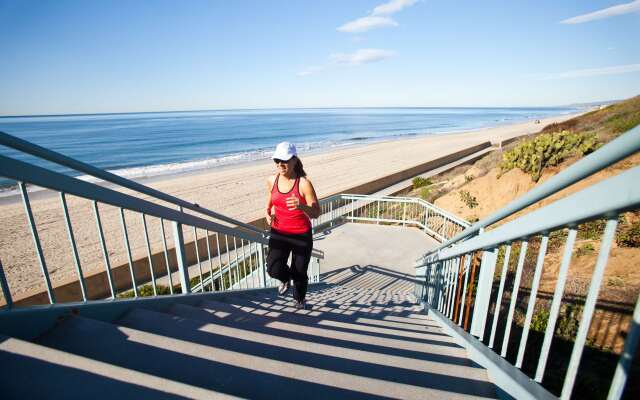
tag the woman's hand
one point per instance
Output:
(269, 217)
(293, 203)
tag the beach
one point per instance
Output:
(236, 191)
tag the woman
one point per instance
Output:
(291, 202)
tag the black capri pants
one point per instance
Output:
(279, 251)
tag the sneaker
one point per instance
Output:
(283, 288)
(301, 305)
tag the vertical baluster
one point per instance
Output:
(6, 292)
(181, 256)
(105, 254)
(456, 307)
(195, 242)
(555, 304)
(251, 277)
(331, 213)
(263, 267)
(589, 306)
(503, 278)
(474, 266)
(128, 249)
(226, 244)
(222, 286)
(146, 238)
(352, 208)
(532, 298)
(244, 263)
(454, 285)
(629, 351)
(166, 256)
(74, 248)
(514, 297)
(467, 266)
(36, 241)
(210, 260)
(441, 280)
(446, 288)
(237, 269)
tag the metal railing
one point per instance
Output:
(235, 255)
(404, 211)
(457, 279)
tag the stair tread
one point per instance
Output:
(214, 361)
(38, 371)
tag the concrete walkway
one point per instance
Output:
(358, 244)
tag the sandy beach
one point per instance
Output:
(237, 191)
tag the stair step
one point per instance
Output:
(328, 326)
(301, 328)
(360, 368)
(348, 321)
(42, 372)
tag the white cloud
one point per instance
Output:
(378, 18)
(585, 73)
(392, 6)
(310, 70)
(362, 56)
(620, 9)
(359, 57)
(367, 23)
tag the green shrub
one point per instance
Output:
(539, 320)
(585, 249)
(425, 193)
(592, 230)
(419, 182)
(629, 236)
(568, 322)
(468, 199)
(620, 123)
(548, 149)
(468, 178)
(147, 291)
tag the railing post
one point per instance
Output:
(404, 213)
(331, 214)
(183, 270)
(483, 293)
(5, 288)
(263, 270)
(426, 220)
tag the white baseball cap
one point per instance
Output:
(284, 151)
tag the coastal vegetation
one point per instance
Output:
(548, 149)
(511, 171)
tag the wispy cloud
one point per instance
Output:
(620, 9)
(585, 73)
(392, 7)
(378, 18)
(367, 23)
(359, 57)
(311, 70)
(362, 56)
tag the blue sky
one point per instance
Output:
(126, 56)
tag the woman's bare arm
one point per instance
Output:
(269, 207)
(312, 208)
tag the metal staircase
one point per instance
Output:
(355, 342)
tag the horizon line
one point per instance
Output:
(300, 108)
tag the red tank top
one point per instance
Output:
(288, 221)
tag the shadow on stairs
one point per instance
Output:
(362, 336)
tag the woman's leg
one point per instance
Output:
(299, 266)
(277, 267)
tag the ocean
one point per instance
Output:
(137, 145)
